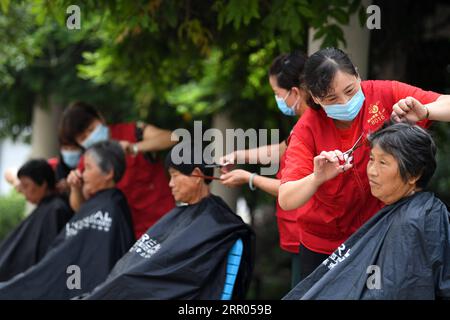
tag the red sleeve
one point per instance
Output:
(299, 158)
(402, 90)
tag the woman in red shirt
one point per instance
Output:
(144, 183)
(333, 194)
(292, 100)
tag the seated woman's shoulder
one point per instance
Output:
(425, 206)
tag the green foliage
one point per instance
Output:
(192, 58)
(38, 62)
(12, 209)
(167, 62)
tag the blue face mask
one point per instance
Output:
(281, 103)
(100, 133)
(71, 157)
(347, 111)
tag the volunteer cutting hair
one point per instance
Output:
(292, 100)
(144, 183)
(403, 252)
(331, 188)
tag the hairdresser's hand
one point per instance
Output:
(228, 161)
(408, 110)
(126, 146)
(327, 165)
(235, 178)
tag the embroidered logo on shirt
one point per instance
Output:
(377, 115)
(373, 108)
(145, 246)
(98, 221)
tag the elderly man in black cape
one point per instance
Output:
(98, 235)
(403, 252)
(27, 244)
(185, 254)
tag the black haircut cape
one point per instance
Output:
(183, 256)
(27, 244)
(403, 252)
(82, 255)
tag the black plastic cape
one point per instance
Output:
(83, 254)
(27, 244)
(183, 256)
(403, 252)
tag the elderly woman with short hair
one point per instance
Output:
(403, 252)
(28, 243)
(98, 235)
(185, 254)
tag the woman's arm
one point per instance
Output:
(239, 177)
(413, 110)
(253, 155)
(440, 109)
(11, 178)
(154, 139)
(294, 194)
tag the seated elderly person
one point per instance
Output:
(97, 236)
(185, 254)
(27, 244)
(403, 252)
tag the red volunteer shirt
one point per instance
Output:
(341, 205)
(287, 219)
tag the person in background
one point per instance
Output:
(28, 243)
(325, 173)
(68, 159)
(145, 183)
(91, 242)
(292, 100)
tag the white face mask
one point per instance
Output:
(284, 108)
(71, 157)
(100, 133)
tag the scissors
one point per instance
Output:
(220, 165)
(348, 155)
(217, 165)
(213, 165)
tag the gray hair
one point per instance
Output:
(108, 155)
(412, 147)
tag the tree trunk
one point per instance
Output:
(358, 40)
(222, 122)
(44, 139)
